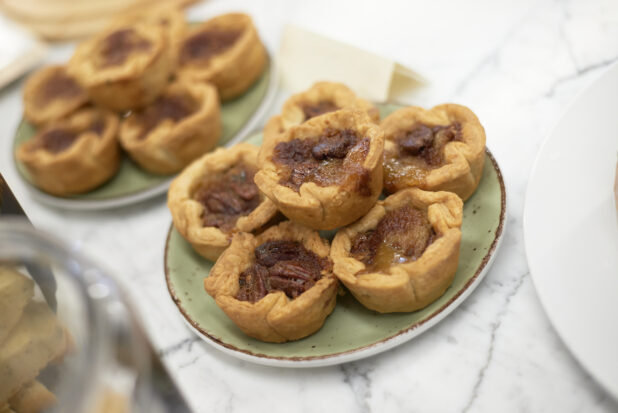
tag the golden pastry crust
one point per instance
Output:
(225, 51)
(65, 165)
(462, 166)
(184, 123)
(274, 318)
(187, 212)
(327, 207)
(322, 97)
(415, 284)
(124, 67)
(51, 94)
(170, 17)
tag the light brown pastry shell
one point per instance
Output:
(463, 160)
(87, 163)
(292, 113)
(129, 85)
(413, 285)
(169, 16)
(171, 146)
(53, 108)
(186, 212)
(275, 318)
(234, 70)
(331, 206)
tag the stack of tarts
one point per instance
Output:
(151, 86)
(323, 165)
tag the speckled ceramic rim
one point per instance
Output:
(371, 349)
(88, 205)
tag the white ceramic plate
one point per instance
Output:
(570, 229)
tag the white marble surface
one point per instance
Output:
(517, 65)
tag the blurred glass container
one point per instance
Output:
(69, 341)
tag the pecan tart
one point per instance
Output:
(403, 254)
(73, 155)
(321, 98)
(327, 172)
(215, 197)
(124, 67)
(51, 94)
(177, 127)
(441, 149)
(277, 286)
(225, 51)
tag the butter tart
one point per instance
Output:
(177, 127)
(225, 51)
(404, 253)
(441, 149)
(124, 67)
(326, 172)
(215, 197)
(51, 94)
(277, 286)
(321, 98)
(73, 155)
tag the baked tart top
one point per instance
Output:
(212, 44)
(215, 196)
(118, 53)
(276, 286)
(51, 94)
(78, 135)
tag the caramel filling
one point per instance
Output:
(281, 265)
(172, 107)
(119, 45)
(205, 44)
(59, 86)
(335, 158)
(419, 150)
(60, 139)
(401, 236)
(312, 110)
(228, 197)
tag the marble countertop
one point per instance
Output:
(517, 65)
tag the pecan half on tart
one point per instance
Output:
(404, 253)
(441, 149)
(124, 67)
(52, 94)
(73, 155)
(327, 172)
(225, 51)
(180, 125)
(321, 98)
(277, 286)
(215, 197)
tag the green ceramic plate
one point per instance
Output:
(132, 184)
(351, 332)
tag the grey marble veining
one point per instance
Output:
(517, 65)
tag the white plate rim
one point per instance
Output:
(534, 274)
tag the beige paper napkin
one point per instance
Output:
(306, 58)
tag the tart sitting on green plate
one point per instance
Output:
(321, 98)
(277, 286)
(215, 197)
(225, 51)
(124, 67)
(441, 149)
(51, 94)
(179, 126)
(73, 155)
(326, 172)
(404, 253)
